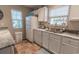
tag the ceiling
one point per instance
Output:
(33, 7)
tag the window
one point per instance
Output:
(16, 18)
(59, 16)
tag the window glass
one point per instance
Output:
(59, 11)
(19, 15)
(13, 14)
(16, 18)
(59, 16)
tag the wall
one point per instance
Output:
(74, 18)
(6, 21)
(73, 25)
(74, 12)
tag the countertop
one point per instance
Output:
(66, 34)
(6, 38)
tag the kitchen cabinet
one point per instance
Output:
(54, 43)
(43, 14)
(18, 36)
(45, 39)
(38, 37)
(74, 13)
(68, 49)
(69, 46)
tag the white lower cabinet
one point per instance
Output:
(68, 49)
(38, 37)
(18, 36)
(45, 39)
(69, 46)
(54, 44)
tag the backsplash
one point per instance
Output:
(43, 25)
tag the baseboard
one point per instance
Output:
(28, 40)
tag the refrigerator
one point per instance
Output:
(31, 23)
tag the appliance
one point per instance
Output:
(31, 23)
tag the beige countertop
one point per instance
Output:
(66, 34)
(6, 38)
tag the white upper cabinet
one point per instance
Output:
(43, 14)
(74, 13)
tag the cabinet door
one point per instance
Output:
(68, 49)
(45, 39)
(37, 37)
(54, 45)
(46, 14)
(41, 14)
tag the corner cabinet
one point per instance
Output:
(43, 14)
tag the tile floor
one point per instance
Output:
(29, 48)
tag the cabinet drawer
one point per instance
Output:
(70, 41)
(54, 36)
